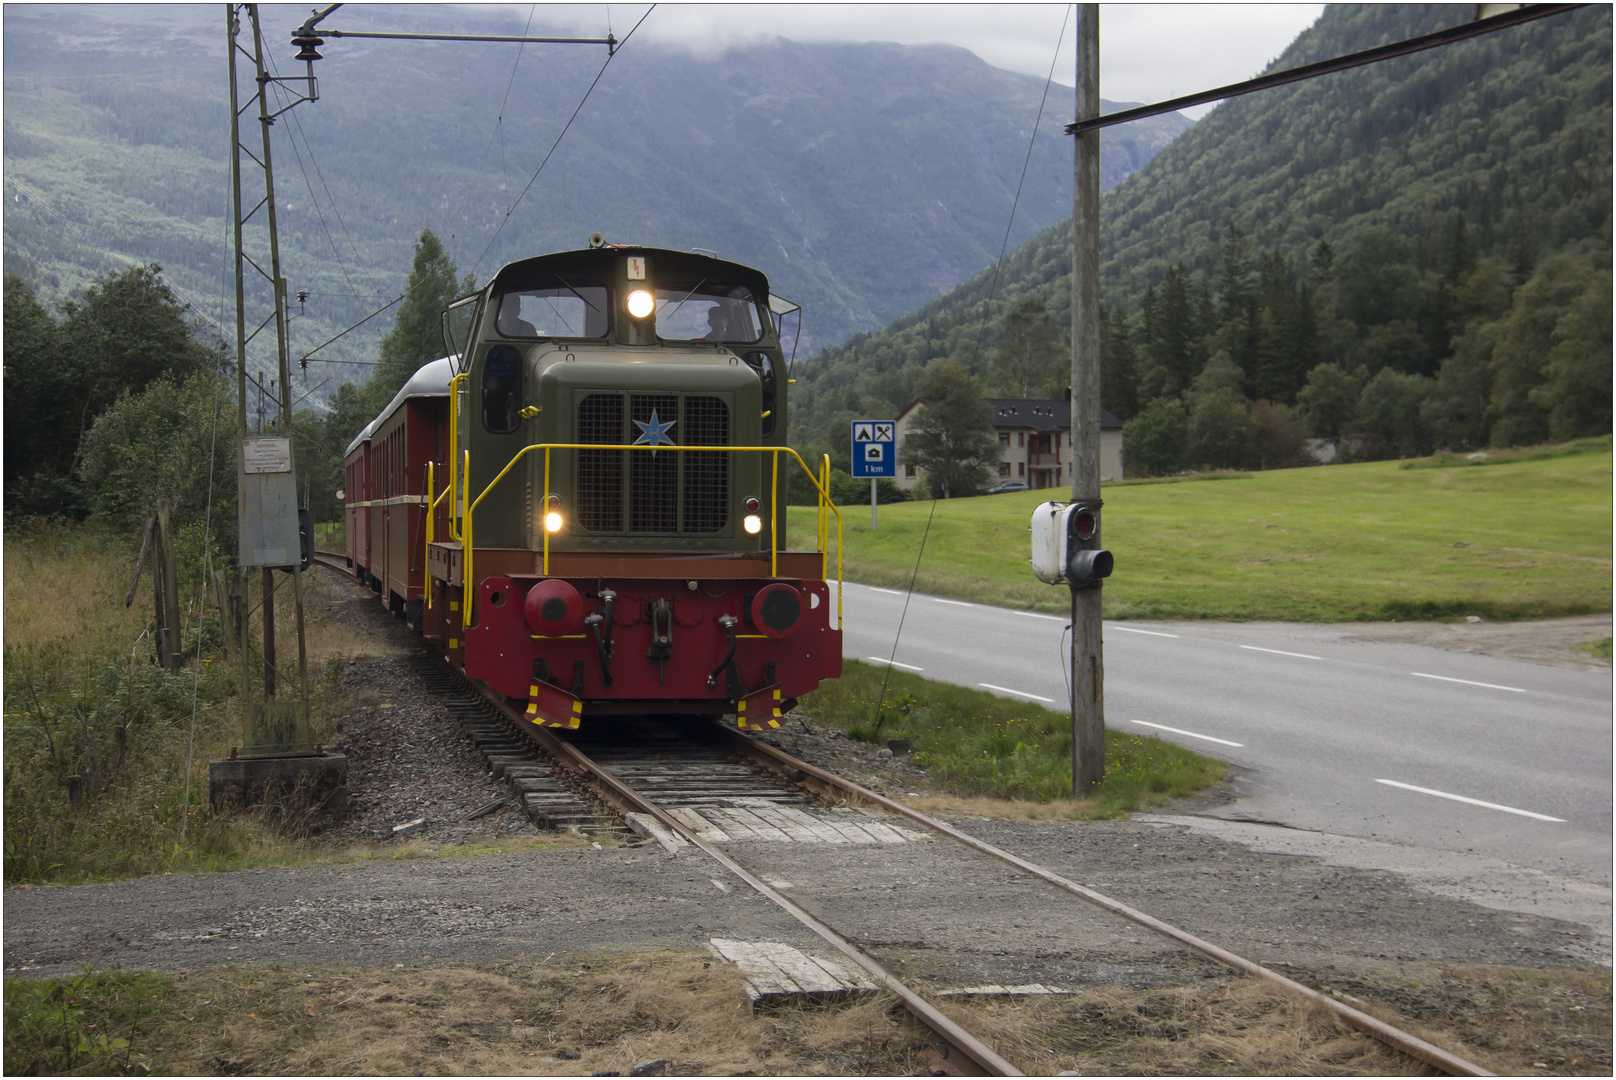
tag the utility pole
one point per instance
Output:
(1088, 662)
(277, 725)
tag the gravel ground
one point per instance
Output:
(931, 910)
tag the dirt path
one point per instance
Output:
(1552, 642)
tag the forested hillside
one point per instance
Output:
(864, 179)
(1432, 232)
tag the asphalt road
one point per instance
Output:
(1326, 733)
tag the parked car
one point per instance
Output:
(1007, 485)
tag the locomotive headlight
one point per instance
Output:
(552, 515)
(752, 523)
(641, 303)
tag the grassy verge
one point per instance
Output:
(1600, 648)
(975, 745)
(83, 698)
(602, 1015)
(1525, 534)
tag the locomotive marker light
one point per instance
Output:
(752, 522)
(553, 521)
(641, 303)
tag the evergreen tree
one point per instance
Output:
(1119, 389)
(1029, 358)
(417, 334)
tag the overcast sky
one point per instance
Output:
(1148, 52)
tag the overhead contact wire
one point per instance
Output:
(565, 128)
(1060, 42)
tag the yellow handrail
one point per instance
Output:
(454, 446)
(467, 544)
(426, 555)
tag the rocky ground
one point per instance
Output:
(932, 912)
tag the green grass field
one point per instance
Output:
(1524, 535)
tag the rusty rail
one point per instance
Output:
(1415, 1047)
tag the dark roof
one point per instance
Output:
(1041, 414)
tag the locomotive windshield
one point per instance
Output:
(562, 309)
(707, 312)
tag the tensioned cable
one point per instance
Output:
(567, 127)
(499, 118)
(1031, 143)
(1060, 42)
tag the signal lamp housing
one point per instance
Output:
(553, 521)
(1066, 545)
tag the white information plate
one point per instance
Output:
(266, 455)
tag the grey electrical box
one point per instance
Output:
(266, 502)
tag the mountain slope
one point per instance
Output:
(865, 179)
(1511, 132)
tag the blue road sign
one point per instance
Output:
(875, 450)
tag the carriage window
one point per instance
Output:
(707, 312)
(502, 389)
(563, 309)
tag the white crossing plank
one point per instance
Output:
(704, 829)
(760, 828)
(773, 969)
(652, 829)
(818, 826)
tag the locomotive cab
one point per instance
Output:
(609, 520)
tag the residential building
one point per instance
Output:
(1035, 442)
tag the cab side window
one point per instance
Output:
(502, 390)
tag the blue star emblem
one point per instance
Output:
(654, 433)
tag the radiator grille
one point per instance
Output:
(600, 472)
(706, 476)
(653, 486)
(669, 492)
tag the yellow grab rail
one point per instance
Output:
(426, 555)
(823, 486)
(454, 446)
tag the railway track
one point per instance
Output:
(659, 782)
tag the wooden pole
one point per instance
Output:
(1088, 670)
(169, 645)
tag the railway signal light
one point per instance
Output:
(1066, 545)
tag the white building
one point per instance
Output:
(1035, 442)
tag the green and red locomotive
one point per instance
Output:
(584, 504)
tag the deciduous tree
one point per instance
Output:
(952, 441)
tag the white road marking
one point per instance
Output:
(1472, 802)
(1035, 615)
(956, 603)
(1132, 630)
(1281, 652)
(893, 663)
(1187, 734)
(889, 592)
(1018, 693)
(1467, 682)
